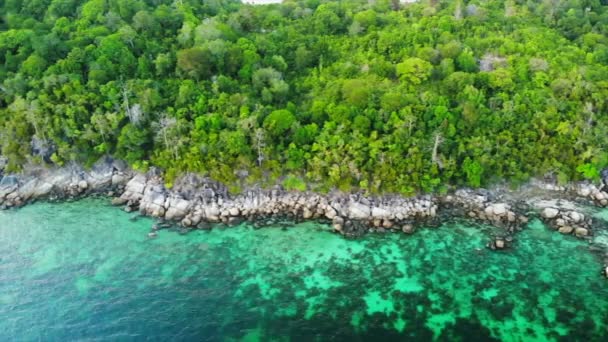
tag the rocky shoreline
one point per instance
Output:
(196, 202)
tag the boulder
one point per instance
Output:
(549, 213)
(43, 189)
(566, 230)
(234, 211)
(330, 212)
(358, 211)
(380, 213)
(498, 209)
(511, 216)
(83, 185)
(177, 208)
(584, 191)
(136, 184)
(211, 211)
(580, 232)
(306, 214)
(27, 190)
(576, 217)
(119, 201)
(118, 179)
(407, 229)
(338, 220)
(135, 188)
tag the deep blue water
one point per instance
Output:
(84, 271)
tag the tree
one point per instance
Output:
(133, 143)
(356, 92)
(194, 63)
(326, 20)
(279, 122)
(414, 71)
(34, 65)
(270, 84)
(473, 171)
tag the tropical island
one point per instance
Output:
(203, 112)
(382, 96)
(342, 128)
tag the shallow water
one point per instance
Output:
(83, 270)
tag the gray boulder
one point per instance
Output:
(549, 213)
(358, 211)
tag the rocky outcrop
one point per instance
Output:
(598, 195)
(480, 206)
(195, 201)
(567, 221)
(107, 175)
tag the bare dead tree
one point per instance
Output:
(589, 110)
(458, 10)
(510, 9)
(410, 120)
(435, 156)
(260, 144)
(164, 126)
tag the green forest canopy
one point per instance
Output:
(371, 95)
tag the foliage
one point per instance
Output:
(379, 95)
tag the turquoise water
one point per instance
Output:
(84, 270)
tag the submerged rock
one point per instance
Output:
(581, 232)
(407, 229)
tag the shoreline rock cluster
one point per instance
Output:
(195, 202)
(567, 221)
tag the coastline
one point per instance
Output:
(196, 202)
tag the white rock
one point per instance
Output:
(500, 209)
(306, 214)
(136, 185)
(330, 212)
(549, 213)
(118, 179)
(576, 217)
(43, 189)
(584, 191)
(579, 232)
(380, 212)
(83, 184)
(358, 211)
(211, 211)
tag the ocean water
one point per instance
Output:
(87, 271)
